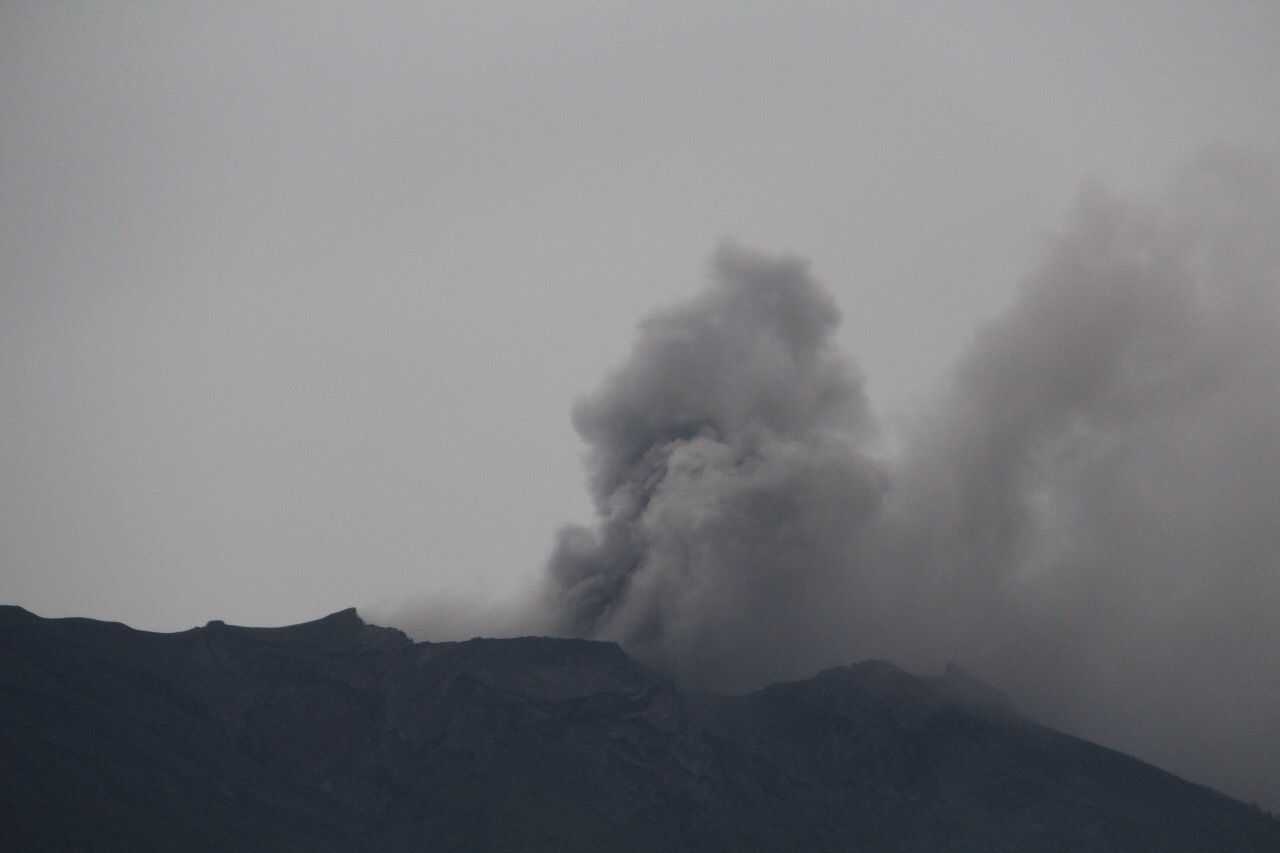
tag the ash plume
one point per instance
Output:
(1085, 513)
(729, 480)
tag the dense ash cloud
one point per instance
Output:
(728, 480)
(1085, 513)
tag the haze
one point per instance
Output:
(297, 300)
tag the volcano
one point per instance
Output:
(339, 735)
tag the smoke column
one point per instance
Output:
(728, 478)
(1086, 513)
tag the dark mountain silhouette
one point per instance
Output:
(337, 735)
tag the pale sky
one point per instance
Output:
(297, 296)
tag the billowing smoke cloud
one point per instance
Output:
(1087, 513)
(728, 479)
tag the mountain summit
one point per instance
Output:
(338, 735)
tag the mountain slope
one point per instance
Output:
(337, 735)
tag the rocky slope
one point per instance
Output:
(337, 735)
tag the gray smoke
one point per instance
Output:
(1087, 513)
(728, 479)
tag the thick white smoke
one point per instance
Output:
(1087, 514)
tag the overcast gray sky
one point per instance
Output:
(296, 298)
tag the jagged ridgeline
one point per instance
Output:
(338, 735)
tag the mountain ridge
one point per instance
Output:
(339, 735)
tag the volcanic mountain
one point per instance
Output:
(338, 735)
